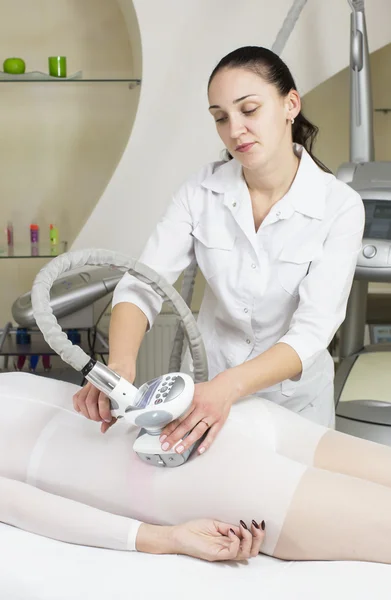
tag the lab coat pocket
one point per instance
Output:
(289, 387)
(213, 247)
(293, 266)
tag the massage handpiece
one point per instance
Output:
(155, 404)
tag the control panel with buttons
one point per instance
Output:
(374, 259)
(159, 390)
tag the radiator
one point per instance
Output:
(154, 354)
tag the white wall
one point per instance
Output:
(173, 134)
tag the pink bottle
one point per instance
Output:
(34, 234)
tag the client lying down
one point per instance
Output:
(314, 488)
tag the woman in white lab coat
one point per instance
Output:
(276, 236)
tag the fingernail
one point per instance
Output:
(179, 448)
(107, 420)
(165, 446)
(255, 524)
(232, 531)
(263, 525)
(201, 450)
(243, 524)
(162, 438)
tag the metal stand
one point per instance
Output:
(353, 328)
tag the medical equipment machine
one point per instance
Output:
(71, 295)
(156, 403)
(363, 380)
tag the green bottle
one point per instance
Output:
(53, 241)
(53, 235)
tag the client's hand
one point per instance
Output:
(213, 540)
(94, 404)
(209, 410)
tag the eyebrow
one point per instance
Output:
(235, 101)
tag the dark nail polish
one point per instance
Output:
(243, 524)
(263, 525)
(255, 524)
(232, 531)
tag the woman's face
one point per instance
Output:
(252, 119)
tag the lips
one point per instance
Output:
(244, 147)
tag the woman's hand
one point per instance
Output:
(94, 404)
(213, 540)
(209, 410)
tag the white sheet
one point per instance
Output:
(36, 568)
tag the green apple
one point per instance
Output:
(15, 66)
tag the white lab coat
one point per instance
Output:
(288, 282)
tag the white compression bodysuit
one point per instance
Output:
(60, 477)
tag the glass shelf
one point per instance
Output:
(132, 82)
(36, 251)
(38, 346)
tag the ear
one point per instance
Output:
(292, 104)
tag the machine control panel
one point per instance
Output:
(374, 260)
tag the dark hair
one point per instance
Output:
(272, 69)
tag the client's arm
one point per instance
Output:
(34, 510)
(37, 511)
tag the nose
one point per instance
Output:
(236, 127)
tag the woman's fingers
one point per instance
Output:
(91, 403)
(209, 439)
(105, 426)
(86, 401)
(180, 431)
(195, 435)
(240, 542)
(231, 551)
(258, 532)
(79, 399)
(246, 543)
(104, 408)
(250, 539)
(169, 429)
(94, 405)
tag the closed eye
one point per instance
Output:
(250, 112)
(245, 112)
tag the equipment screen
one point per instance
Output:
(377, 219)
(147, 392)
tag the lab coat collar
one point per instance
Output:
(306, 194)
(227, 177)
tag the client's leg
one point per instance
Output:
(314, 445)
(337, 517)
(354, 456)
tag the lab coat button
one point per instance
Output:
(233, 204)
(245, 310)
(248, 341)
(278, 213)
(253, 266)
